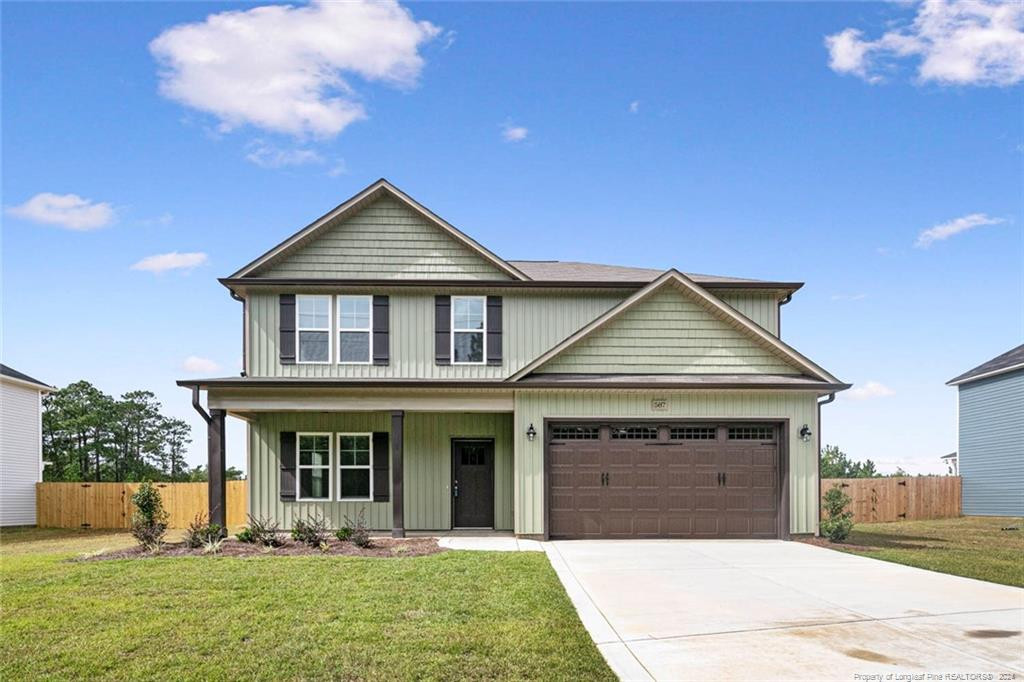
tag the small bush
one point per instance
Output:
(212, 545)
(838, 521)
(149, 520)
(360, 534)
(344, 534)
(200, 532)
(261, 531)
(312, 530)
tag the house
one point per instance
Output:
(951, 463)
(990, 454)
(394, 365)
(21, 445)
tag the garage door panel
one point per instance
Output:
(638, 484)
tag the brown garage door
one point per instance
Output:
(663, 480)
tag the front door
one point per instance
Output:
(473, 483)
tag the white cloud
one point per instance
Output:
(957, 42)
(511, 133)
(869, 390)
(849, 297)
(943, 231)
(66, 210)
(267, 155)
(634, 106)
(197, 365)
(170, 261)
(163, 219)
(285, 68)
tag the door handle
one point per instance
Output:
(455, 489)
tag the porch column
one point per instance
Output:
(397, 438)
(217, 488)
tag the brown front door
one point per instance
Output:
(473, 483)
(663, 480)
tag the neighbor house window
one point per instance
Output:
(314, 466)
(314, 328)
(355, 459)
(354, 324)
(469, 325)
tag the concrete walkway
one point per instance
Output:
(489, 543)
(770, 610)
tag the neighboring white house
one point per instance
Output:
(21, 445)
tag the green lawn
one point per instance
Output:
(450, 615)
(971, 546)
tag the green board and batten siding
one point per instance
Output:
(532, 407)
(427, 458)
(386, 239)
(668, 333)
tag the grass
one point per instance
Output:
(971, 546)
(452, 615)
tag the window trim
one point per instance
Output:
(339, 466)
(369, 328)
(299, 466)
(482, 331)
(299, 328)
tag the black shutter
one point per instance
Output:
(286, 327)
(494, 330)
(288, 454)
(381, 327)
(381, 467)
(443, 330)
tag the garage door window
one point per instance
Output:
(576, 433)
(692, 433)
(751, 433)
(635, 433)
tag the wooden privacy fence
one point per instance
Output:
(109, 505)
(877, 500)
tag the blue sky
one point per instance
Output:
(715, 138)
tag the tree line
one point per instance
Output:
(91, 436)
(836, 464)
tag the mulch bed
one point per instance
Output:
(380, 548)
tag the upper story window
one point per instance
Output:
(355, 320)
(469, 326)
(313, 329)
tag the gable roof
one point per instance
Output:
(1009, 361)
(361, 199)
(21, 378)
(678, 279)
(575, 271)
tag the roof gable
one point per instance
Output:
(673, 326)
(380, 233)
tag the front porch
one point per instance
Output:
(443, 470)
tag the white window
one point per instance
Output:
(355, 466)
(314, 466)
(355, 320)
(469, 327)
(313, 329)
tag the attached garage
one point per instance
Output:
(651, 479)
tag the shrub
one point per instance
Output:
(344, 534)
(212, 545)
(149, 520)
(312, 530)
(838, 522)
(261, 531)
(359, 534)
(200, 532)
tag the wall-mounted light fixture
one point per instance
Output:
(531, 433)
(805, 433)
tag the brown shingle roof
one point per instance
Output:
(997, 365)
(575, 271)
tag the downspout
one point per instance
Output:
(245, 324)
(826, 401)
(198, 406)
(778, 314)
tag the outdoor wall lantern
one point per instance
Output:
(805, 433)
(531, 433)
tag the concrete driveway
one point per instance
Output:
(719, 610)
